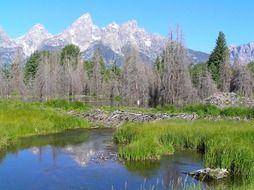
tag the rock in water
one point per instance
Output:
(209, 174)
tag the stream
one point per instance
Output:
(87, 160)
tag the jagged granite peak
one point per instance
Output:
(132, 24)
(5, 41)
(113, 26)
(8, 48)
(114, 39)
(33, 38)
(81, 33)
(84, 19)
(244, 53)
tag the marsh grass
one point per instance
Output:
(68, 105)
(225, 144)
(19, 119)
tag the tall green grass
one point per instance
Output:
(68, 105)
(18, 119)
(225, 144)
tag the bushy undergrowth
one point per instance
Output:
(18, 119)
(225, 144)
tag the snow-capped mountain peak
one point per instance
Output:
(113, 26)
(114, 40)
(37, 27)
(131, 24)
(5, 41)
(33, 38)
(81, 33)
(84, 19)
(8, 49)
(244, 52)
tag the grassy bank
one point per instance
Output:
(68, 105)
(225, 144)
(19, 119)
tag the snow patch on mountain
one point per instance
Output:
(33, 38)
(116, 40)
(5, 41)
(244, 53)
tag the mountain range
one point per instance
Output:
(114, 41)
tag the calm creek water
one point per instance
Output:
(87, 160)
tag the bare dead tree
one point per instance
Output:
(242, 80)
(5, 79)
(225, 74)
(78, 78)
(135, 82)
(17, 77)
(114, 84)
(177, 86)
(2, 84)
(54, 62)
(42, 81)
(63, 80)
(155, 96)
(96, 81)
(206, 85)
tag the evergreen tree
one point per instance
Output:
(156, 85)
(17, 76)
(97, 74)
(31, 66)
(88, 66)
(251, 67)
(70, 53)
(218, 57)
(115, 77)
(159, 66)
(206, 85)
(197, 72)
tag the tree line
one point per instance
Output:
(172, 79)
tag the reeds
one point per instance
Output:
(225, 144)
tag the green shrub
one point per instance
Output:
(238, 112)
(202, 110)
(167, 108)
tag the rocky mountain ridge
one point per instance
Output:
(113, 39)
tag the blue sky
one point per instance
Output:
(200, 20)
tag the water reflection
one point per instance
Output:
(86, 159)
(98, 147)
(143, 168)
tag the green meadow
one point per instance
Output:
(19, 119)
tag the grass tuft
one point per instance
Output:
(68, 105)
